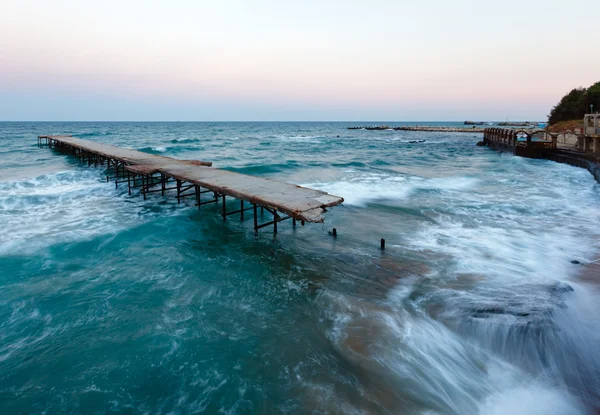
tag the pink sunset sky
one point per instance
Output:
(280, 60)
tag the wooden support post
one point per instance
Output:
(197, 195)
(129, 183)
(242, 210)
(255, 218)
(178, 191)
(162, 183)
(334, 233)
(294, 222)
(224, 209)
(275, 218)
(382, 244)
(142, 189)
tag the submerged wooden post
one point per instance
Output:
(255, 217)
(241, 210)
(382, 244)
(143, 190)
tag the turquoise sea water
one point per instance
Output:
(113, 304)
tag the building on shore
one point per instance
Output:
(589, 140)
(591, 124)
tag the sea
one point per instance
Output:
(110, 303)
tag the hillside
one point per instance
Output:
(565, 126)
(575, 104)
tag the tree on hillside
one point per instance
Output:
(570, 107)
(575, 104)
(593, 97)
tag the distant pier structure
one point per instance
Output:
(582, 151)
(539, 143)
(524, 143)
(192, 178)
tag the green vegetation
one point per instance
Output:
(575, 104)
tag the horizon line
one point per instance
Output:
(263, 121)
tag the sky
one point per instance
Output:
(312, 60)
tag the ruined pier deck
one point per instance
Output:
(154, 173)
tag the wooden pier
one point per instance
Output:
(193, 178)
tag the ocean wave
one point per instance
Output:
(387, 345)
(531, 399)
(266, 168)
(169, 149)
(56, 208)
(94, 134)
(307, 139)
(49, 184)
(153, 149)
(185, 140)
(362, 188)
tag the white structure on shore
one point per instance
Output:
(590, 139)
(591, 124)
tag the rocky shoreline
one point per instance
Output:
(425, 128)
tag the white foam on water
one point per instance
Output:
(515, 239)
(62, 207)
(360, 189)
(517, 234)
(413, 364)
(533, 399)
(308, 139)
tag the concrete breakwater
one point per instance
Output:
(424, 128)
(574, 158)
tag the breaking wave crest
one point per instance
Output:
(61, 207)
(361, 189)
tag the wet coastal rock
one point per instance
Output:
(561, 288)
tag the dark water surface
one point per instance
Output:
(109, 303)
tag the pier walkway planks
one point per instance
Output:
(298, 202)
